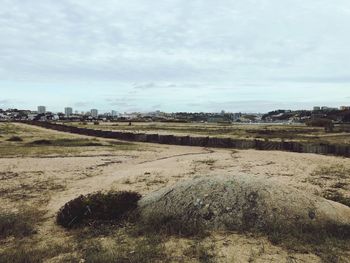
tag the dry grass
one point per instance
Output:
(25, 141)
(334, 181)
(21, 223)
(29, 252)
(334, 171)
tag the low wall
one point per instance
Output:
(321, 148)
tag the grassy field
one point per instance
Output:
(21, 140)
(242, 131)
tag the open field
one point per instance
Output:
(41, 170)
(272, 132)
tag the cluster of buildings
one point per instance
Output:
(341, 114)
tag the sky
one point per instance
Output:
(174, 55)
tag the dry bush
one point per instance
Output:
(97, 206)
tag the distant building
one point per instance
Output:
(68, 111)
(114, 113)
(94, 113)
(41, 109)
(317, 108)
(326, 108)
(344, 107)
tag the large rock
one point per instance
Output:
(245, 203)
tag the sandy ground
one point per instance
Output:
(61, 179)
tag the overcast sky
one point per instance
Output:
(174, 55)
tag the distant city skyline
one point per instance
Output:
(176, 55)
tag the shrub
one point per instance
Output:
(15, 139)
(97, 206)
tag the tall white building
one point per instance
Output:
(94, 113)
(68, 111)
(41, 109)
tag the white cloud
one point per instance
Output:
(174, 42)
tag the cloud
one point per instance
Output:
(173, 46)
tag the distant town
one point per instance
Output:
(335, 115)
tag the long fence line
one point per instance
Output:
(301, 147)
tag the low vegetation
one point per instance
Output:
(97, 206)
(21, 223)
(157, 223)
(21, 140)
(334, 171)
(297, 132)
(67, 142)
(141, 250)
(30, 252)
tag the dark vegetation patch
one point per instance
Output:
(19, 224)
(329, 242)
(15, 139)
(66, 142)
(96, 207)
